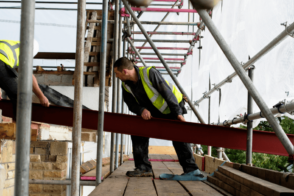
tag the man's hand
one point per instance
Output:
(44, 101)
(146, 115)
(181, 118)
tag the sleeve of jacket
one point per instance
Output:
(132, 103)
(158, 82)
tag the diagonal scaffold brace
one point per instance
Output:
(128, 8)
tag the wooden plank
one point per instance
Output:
(91, 64)
(140, 186)
(224, 186)
(111, 186)
(159, 168)
(169, 187)
(217, 188)
(174, 167)
(122, 170)
(197, 188)
(91, 175)
(269, 175)
(257, 184)
(174, 156)
(240, 187)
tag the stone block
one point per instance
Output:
(10, 174)
(31, 150)
(8, 191)
(39, 194)
(40, 144)
(8, 183)
(41, 151)
(11, 166)
(42, 166)
(35, 158)
(54, 174)
(35, 188)
(52, 158)
(61, 158)
(36, 174)
(58, 148)
(59, 166)
(59, 194)
(44, 158)
(54, 188)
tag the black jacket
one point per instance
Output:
(144, 102)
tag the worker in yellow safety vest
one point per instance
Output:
(9, 60)
(148, 95)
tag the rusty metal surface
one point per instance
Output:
(233, 138)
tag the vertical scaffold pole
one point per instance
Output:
(78, 102)
(115, 95)
(247, 82)
(24, 98)
(249, 123)
(162, 60)
(209, 103)
(103, 56)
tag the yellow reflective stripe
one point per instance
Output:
(12, 48)
(163, 107)
(4, 53)
(147, 81)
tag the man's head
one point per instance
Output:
(123, 68)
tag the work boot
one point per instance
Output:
(139, 173)
(195, 175)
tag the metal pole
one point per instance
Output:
(249, 123)
(247, 82)
(78, 96)
(165, 33)
(163, 40)
(209, 103)
(60, 182)
(138, 54)
(261, 53)
(148, 22)
(114, 90)
(119, 95)
(103, 57)
(162, 60)
(24, 98)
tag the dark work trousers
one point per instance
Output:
(140, 153)
(8, 82)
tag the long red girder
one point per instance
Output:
(232, 138)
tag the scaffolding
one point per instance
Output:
(123, 33)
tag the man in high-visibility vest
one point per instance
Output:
(147, 94)
(9, 60)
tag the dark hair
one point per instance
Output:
(123, 63)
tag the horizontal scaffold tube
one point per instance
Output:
(62, 182)
(159, 62)
(162, 48)
(258, 115)
(262, 52)
(164, 40)
(157, 67)
(141, 9)
(171, 59)
(163, 54)
(148, 22)
(165, 33)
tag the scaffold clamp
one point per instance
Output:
(286, 28)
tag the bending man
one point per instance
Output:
(9, 60)
(148, 95)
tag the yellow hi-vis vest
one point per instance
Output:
(156, 99)
(9, 52)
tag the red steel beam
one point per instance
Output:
(161, 48)
(141, 9)
(153, 58)
(211, 135)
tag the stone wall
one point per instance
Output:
(48, 161)
(7, 167)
